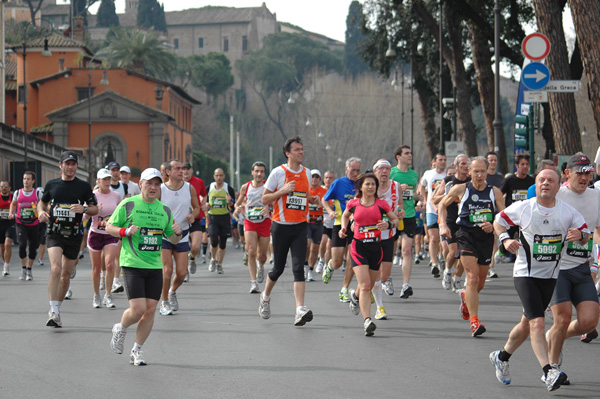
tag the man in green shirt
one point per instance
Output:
(141, 221)
(408, 180)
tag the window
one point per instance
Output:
(200, 42)
(21, 94)
(82, 93)
(225, 44)
(244, 43)
(176, 43)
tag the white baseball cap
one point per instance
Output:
(125, 169)
(316, 172)
(150, 174)
(103, 173)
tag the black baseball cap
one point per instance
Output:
(186, 165)
(580, 163)
(112, 165)
(69, 156)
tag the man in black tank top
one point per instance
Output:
(479, 202)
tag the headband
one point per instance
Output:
(379, 163)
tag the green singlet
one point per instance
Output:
(411, 179)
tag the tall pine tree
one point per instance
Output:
(151, 15)
(107, 15)
(353, 62)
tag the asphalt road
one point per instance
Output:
(217, 345)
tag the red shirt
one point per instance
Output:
(200, 188)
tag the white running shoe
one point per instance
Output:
(29, 276)
(212, 266)
(173, 301)
(447, 280)
(254, 287)
(260, 274)
(136, 358)
(53, 320)
(310, 276)
(40, 262)
(303, 316)
(354, 307)
(5, 271)
(69, 293)
(74, 272)
(396, 260)
(96, 301)
(319, 267)
(117, 287)
(118, 339)
(102, 283)
(457, 285)
(264, 307)
(388, 286)
(23, 274)
(108, 301)
(492, 273)
(369, 327)
(219, 269)
(165, 309)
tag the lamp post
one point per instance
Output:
(441, 42)
(104, 82)
(44, 30)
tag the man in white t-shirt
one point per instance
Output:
(132, 187)
(429, 182)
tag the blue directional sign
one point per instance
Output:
(535, 76)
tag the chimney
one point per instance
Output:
(78, 28)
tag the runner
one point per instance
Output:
(257, 224)
(141, 221)
(390, 192)
(366, 251)
(315, 224)
(325, 247)
(544, 223)
(575, 285)
(287, 188)
(479, 203)
(182, 199)
(341, 191)
(62, 206)
(197, 229)
(103, 247)
(408, 179)
(132, 187)
(429, 182)
(7, 226)
(24, 209)
(220, 195)
(496, 179)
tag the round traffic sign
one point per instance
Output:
(535, 46)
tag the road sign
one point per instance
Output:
(563, 86)
(535, 46)
(535, 76)
(454, 148)
(535, 96)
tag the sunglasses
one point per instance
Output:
(4, 185)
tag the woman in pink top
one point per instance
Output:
(99, 240)
(365, 251)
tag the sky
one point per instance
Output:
(327, 17)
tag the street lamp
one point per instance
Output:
(104, 82)
(45, 30)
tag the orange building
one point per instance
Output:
(135, 119)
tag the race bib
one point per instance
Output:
(369, 233)
(480, 216)
(296, 200)
(580, 251)
(150, 239)
(546, 248)
(102, 222)
(313, 207)
(408, 194)
(219, 202)
(63, 211)
(255, 214)
(519, 195)
(4, 214)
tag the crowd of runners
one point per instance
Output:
(146, 239)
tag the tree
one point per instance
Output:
(355, 39)
(151, 15)
(211, 72)
(34, 7)
(107, 15)
(281, 68)
(139, 50)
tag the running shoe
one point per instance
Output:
(344, 265)
(417, 259)
(344, 295)
(40, 262)
(69, 293)
(219, 269)
(457, 285)
(354, 307)
(96, 303)
(136, 358)
(165, 309)
(254, 287)
(5, 271)
(463, 310)
(74, 272)
(310, 276)
(108, 301)
(204, 259)
(435, 270)
(271, 260)
(389, 286)
(264, 307)
(117, 287)
(476, 327)
(192, 268)
(53, 320)
(396, 260)
(502, 373)
(23, 274)
(319, 267)
(173, 301)
(587, 338)
(260, 274)
(369, 327)
(400, 261)
(556, 366)
(187, 276)
(492, 273)
(245, 259)
(29, 276)
(303, 316)
(118, 339)
(447, 280)
(380, 314)
(212, 266)
(554, 379)
(406, 291)
(102, 283)
(327, 272)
